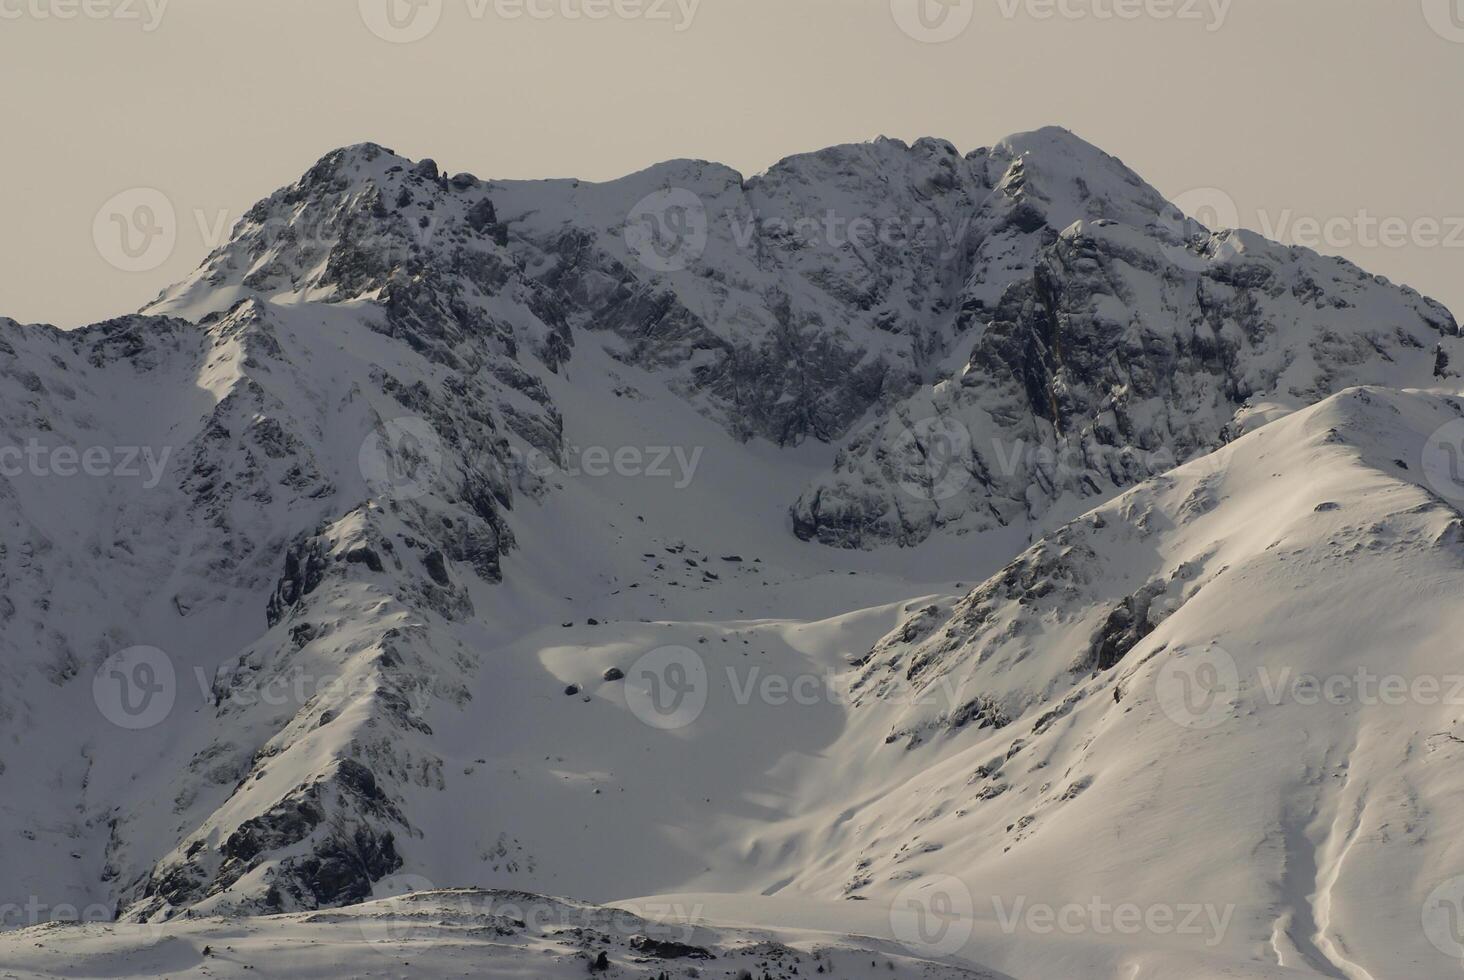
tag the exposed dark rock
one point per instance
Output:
(436, 566)
(364, 556)
(305, 566)
(664, 949)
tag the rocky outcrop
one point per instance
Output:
(1126, 350)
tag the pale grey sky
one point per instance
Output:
(1327, 122)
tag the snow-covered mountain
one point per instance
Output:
(371, 551)
(1233, 685)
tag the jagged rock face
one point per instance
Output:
(839, 283)
(836, 282)
(770, 330)
(318, 519)
(269, 842)
(1124, 352)
(794, 302)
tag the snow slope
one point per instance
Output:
(1234, 687)
(463, 933)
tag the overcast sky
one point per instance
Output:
(1326, 122)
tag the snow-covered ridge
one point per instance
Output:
(1234, 685)
(794, 302)
(290, 527)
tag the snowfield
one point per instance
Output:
(465, 933)
(1056, 588)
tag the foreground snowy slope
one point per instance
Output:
(463, 933)
(1032, 737)
(1235, 688)
(441, 530)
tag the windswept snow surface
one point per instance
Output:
(467, 933)
(492, 562)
